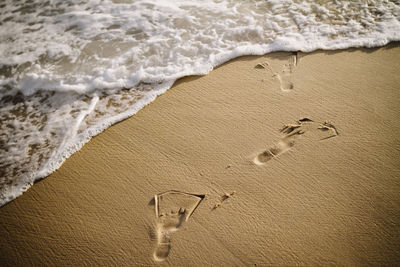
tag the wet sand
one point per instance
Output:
(280, 160)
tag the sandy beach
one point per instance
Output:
(287, 159)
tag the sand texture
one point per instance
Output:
(281, 160)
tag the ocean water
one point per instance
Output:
(69, 68)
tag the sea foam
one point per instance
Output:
(70, 69)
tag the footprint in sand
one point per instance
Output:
(224, 197)
(286, 74)
(173, 209)
(317, 131)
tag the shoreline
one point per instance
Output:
(75, 147)
(298, 207)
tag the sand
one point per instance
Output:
(280, 160)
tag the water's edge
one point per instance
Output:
(71, 148)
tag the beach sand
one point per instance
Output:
(285, 159)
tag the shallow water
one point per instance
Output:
(70, 69)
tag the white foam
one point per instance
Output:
(71, 61)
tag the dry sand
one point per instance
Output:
(320, 195)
